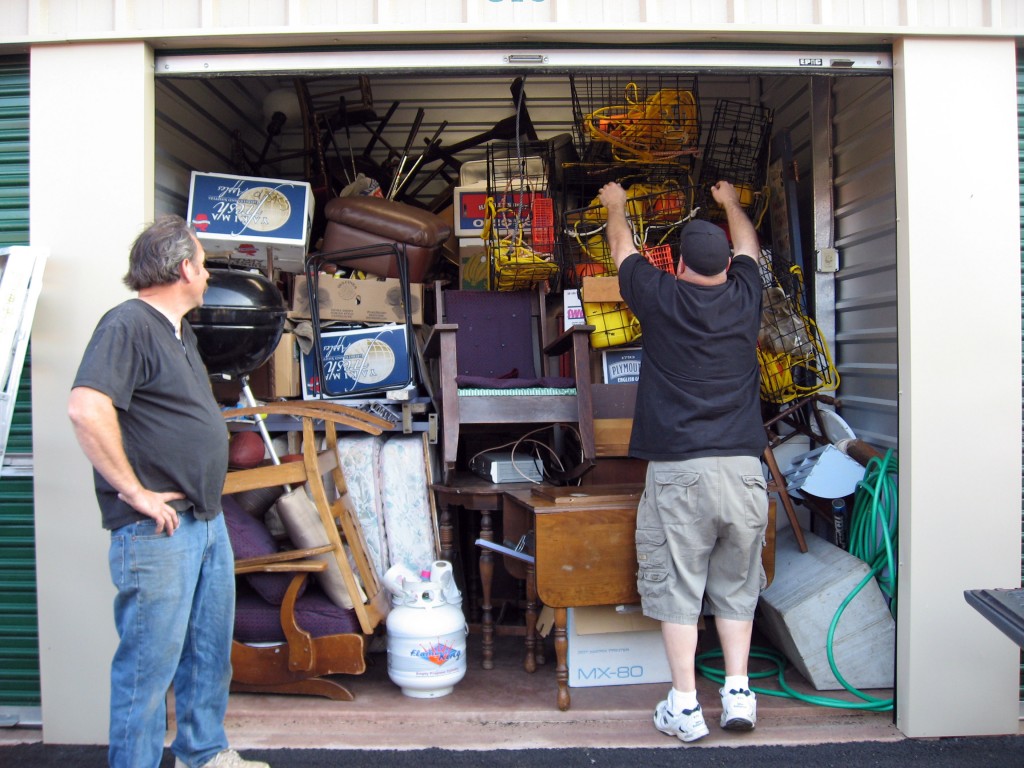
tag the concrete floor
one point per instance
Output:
(508, 708)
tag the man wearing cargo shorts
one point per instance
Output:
(702, 517)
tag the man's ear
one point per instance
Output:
(186, 270)
(681, 268)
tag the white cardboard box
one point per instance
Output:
(248, 220)
(615, 645)
(572, 309)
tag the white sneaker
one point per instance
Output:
(739, 709)
(687, 726)
(229, 758)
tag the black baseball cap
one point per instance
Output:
(704, 248)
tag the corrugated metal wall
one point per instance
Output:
(865, 234)
(19, 631)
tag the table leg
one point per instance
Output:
(486, 576)
(561, 652)
(446, 533)
(530, 663)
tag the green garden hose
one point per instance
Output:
(873, 526)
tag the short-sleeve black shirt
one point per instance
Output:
(699, 390)
(171, 426)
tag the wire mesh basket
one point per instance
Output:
(660, 199)
(793, 356)
(519, 220)
(645, 118)
(736, 150)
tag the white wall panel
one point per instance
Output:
(322, 20)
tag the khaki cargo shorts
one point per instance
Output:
(700, 528)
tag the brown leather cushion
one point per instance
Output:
(379, 261)
(390, 219)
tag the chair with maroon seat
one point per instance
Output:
(494, 365)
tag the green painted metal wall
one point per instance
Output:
(19, 631)
(1020, 155)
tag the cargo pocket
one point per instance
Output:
(756, 502)
(651, 554)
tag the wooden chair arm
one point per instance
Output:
(306, 566)
(566, 340)
(291, 559)
(432, 348)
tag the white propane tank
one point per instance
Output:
(426, 642)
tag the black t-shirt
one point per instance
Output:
(699, 390)
(171, 426)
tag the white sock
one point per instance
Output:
(736, 683)
(679, 701)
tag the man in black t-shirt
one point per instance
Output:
(702, 517)
(145, 416)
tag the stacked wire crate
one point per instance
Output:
(519, 220)
(641, 131)
(794, 358)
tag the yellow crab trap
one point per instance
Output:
(660, 200)
(519, 218)
(650, 118)
(614, 323)
(736, 150)
(793, 356)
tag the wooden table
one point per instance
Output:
(584, 551)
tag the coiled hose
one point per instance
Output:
(873, 526)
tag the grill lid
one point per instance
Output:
(240, 323)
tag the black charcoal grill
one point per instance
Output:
(240, 323)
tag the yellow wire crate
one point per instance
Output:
(642, 118)
(793, 356)
(519, 219)
(656, 209)
(614, 323)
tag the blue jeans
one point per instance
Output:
(174, 613)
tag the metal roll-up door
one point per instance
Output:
(19, 632)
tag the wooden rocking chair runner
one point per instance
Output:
(300, 662)
(486, 345)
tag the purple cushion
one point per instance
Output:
(258, 622)
(250, 538)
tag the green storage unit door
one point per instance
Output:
(1020, 156)
(19, 630)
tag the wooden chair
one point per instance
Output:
(494, 360)
(300, 663)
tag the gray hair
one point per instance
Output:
(158, 251)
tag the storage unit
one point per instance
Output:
(865, 145)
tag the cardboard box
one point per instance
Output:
(374, 300)
(251, 220)
(470, 203)
(279, 376)
(357, 362)
(471, 206)
(572, 309)
(474, 266)
(601, 289)
(615, 645)
(622, 365)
